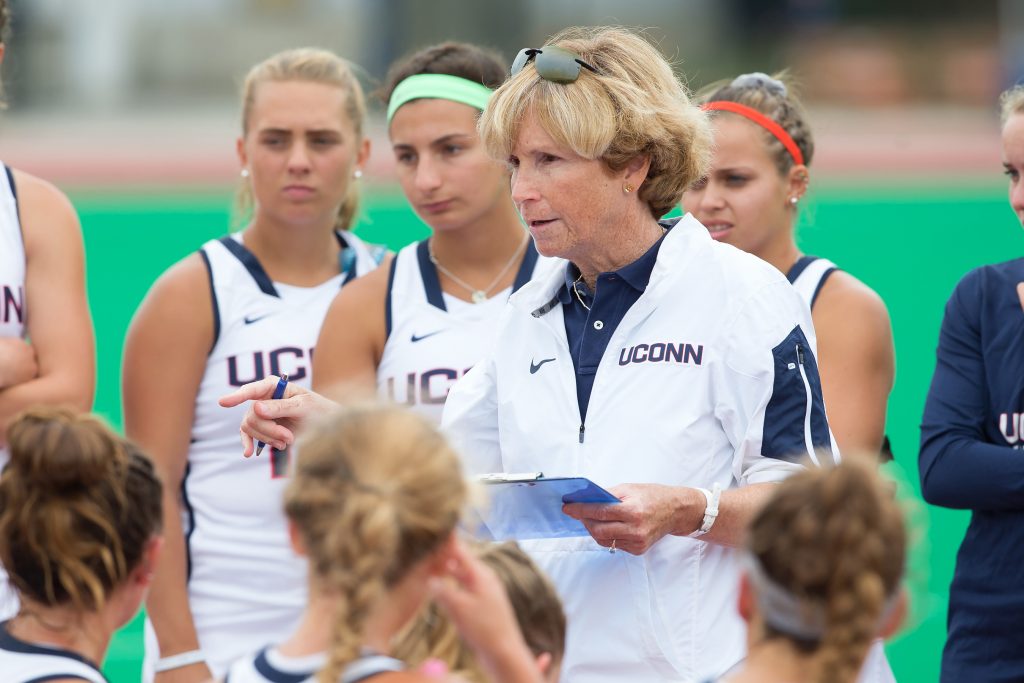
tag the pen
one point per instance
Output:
(278, 393)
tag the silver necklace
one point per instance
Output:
(577, 292)
(577, 280)
(478, 295)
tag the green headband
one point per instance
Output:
(438, 87)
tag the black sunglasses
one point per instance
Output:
(552, 63)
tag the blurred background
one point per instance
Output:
(130, 106)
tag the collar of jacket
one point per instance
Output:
(687, 238)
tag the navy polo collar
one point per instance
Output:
(636, 274)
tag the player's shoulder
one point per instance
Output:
(34, 190)
(844, 296)
(993, 275)
(48, 218)
(186, 281)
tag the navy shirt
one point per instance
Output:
(589, 331)
(971, 458)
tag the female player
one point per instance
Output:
(538, 612)
(373, 503)
(244, 307)
(822, 567)
(80, 521)
(971, 437)
(415, 328)
(46, 339)
(749, 199)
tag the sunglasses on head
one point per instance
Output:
(552, 63)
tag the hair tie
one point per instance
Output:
(438, 87)
(759, 79)
(760, 119)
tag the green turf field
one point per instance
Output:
(911, 245)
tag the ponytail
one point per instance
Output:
(375, 491)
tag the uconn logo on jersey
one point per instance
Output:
(662, 352)
(1011, 426)
(251, 367)
(12, 304)
(424, 388)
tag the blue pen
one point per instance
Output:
(278, 393)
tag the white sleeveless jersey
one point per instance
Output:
(246, 586)
(808, 276)
(23, 662)
(12, 311)
(270, 666)
(12, 261)
(434, 338)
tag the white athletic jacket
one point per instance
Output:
(710, 377)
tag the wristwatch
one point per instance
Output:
(710, 511)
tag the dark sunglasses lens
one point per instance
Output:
(521, 60)
(557, 65)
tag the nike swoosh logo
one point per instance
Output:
(249, 320)
(534, 367)
(415, 338)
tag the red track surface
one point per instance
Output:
(197, 150)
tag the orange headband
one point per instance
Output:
(760, 119)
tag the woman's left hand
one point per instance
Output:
(647, 513)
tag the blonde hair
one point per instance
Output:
(633, 107)
(834, 539)
(774, 97)
(534, 599)
(78, 506)
(375, 490)
(314, 66)
(1011, 102)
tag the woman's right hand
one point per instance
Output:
(475, 600)
(193, 673)
(274, 421)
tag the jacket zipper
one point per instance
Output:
(808, 441)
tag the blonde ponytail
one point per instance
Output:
(376, 490)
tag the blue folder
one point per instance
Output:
(530, 506)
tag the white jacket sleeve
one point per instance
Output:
(470, 419)
(768, 394)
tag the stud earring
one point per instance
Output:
(627, 188)
(794, 200)
(358, 173)
(245, 173)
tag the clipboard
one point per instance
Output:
(529, 505)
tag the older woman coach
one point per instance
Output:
(678, 371)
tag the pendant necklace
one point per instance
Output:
(477, 295)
